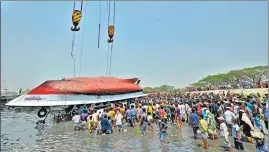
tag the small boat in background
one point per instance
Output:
(7, 95)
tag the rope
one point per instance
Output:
(108, 13)
(114, 13)
(82, 43)
(99, 26)
(72, 50)
(111, 49)
(81, 6)
(108, 51)
(107, 57)
(110, 60)
(99, 32)
(74, 38)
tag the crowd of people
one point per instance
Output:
(211, 116)
(238, 85)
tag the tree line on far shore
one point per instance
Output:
(255, 77)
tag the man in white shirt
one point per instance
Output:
(118, 118)
(182, 110)
(224, 133)
(221, 109)
(157, 105)
(77, 121)
(223, 128)
(228, 115)
(187, 111)
(95, 116)
(145, 107)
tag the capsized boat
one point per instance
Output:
(78, 91)
(68, 93)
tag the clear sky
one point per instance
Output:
(174, 43)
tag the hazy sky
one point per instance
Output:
(174, 43)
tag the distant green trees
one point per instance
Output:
(254, 75)
(162, 88)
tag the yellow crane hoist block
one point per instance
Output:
(111, 31)
(76, 17)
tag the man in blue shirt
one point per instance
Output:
(104, 125)
(194, 122)
(249, 106)
(133, 115)
(144, 121)
(128, 116)
(215, 108)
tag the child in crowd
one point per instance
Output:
(109, 129)
(237, 136)
(77, 121)
(90, 124)
(99, 116)
(224, 133)
(150, 121)
(203, 128)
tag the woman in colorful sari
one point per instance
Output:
(212, 129)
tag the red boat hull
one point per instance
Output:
(88, 85)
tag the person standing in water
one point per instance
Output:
(118, 119)
(90, 124)
(128, 116)
(150, 121)
(237, 136)
(203, 128)
(224, 133)
(172, 110)
(178, 117)
(104, 125)
(77, 121)
(133, 115)
(144, 121)
(194, 122)
(109, 129)
(163, 127)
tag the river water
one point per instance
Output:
(18, 133)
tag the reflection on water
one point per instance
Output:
(18, 133)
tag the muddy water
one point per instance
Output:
(18, 133)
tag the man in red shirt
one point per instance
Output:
(161, 112)
(198, 106)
